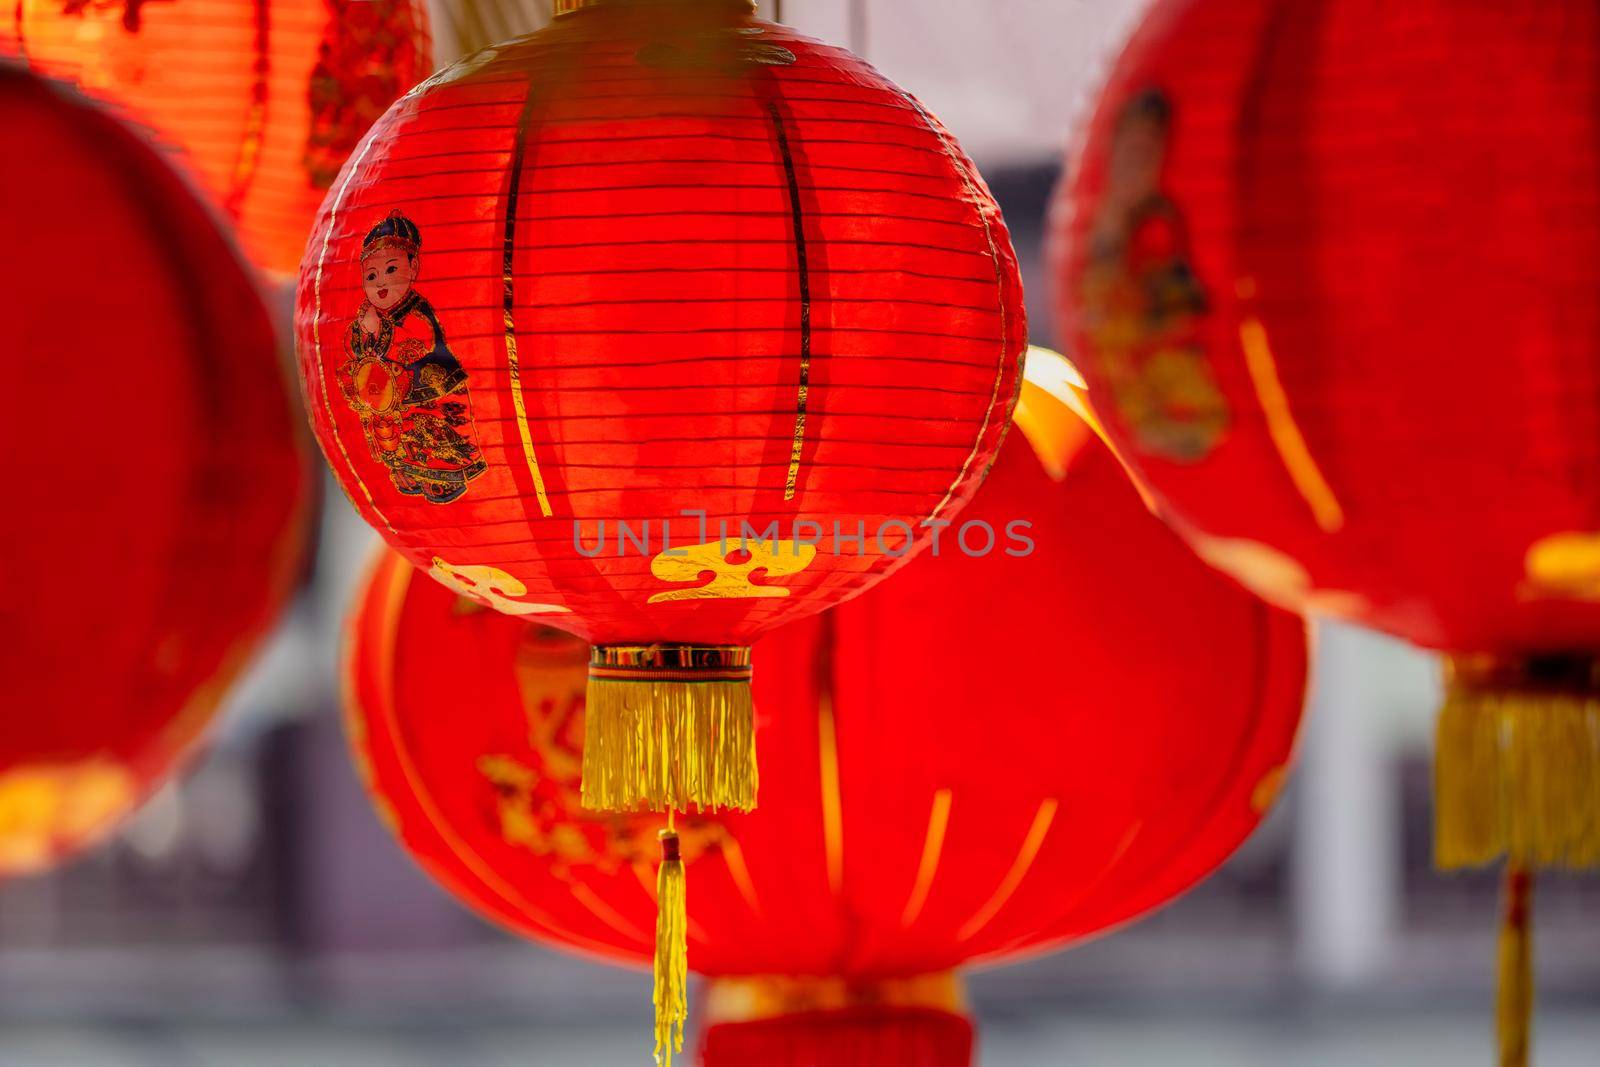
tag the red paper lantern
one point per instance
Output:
(161, 482)
(1330, 271)
(261, 99)
(923, 808)
(660, 260)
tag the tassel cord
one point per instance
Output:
(1514, 1012)
(672, 949)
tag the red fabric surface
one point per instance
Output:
(261, 100)
(161, 481)
(1108, 696)
(1403, 202)
(700, 211)
(857, 1037)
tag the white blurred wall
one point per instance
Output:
(1006, 76)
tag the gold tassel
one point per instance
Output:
(669, 728)
(672, 950)
(1517, 766)
(1515, 1008)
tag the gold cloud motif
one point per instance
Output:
(491, 587)
(730, 581)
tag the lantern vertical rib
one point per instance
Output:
(519, 404)
(803, 281)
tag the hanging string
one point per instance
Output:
(858, 27)
(1514, 1013)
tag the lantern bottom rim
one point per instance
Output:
(670, 662)
(747, 998)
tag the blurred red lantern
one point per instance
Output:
(161, 519)
(980, 759)
(261, 99)
(668, 326)
(1331, 270)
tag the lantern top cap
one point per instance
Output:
(567, 7)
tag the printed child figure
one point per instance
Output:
(1143, 304)
(401, 377)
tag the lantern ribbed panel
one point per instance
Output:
(687, 260)
(885, 847)
(260, 99)
(162, 484)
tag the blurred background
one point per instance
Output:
(256, 912)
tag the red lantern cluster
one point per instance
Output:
(160, 482)
(887, 850)
(262, 100)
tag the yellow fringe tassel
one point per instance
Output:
(1517, 774)
(672, 951)
(664, 745)
(1515, 1009)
